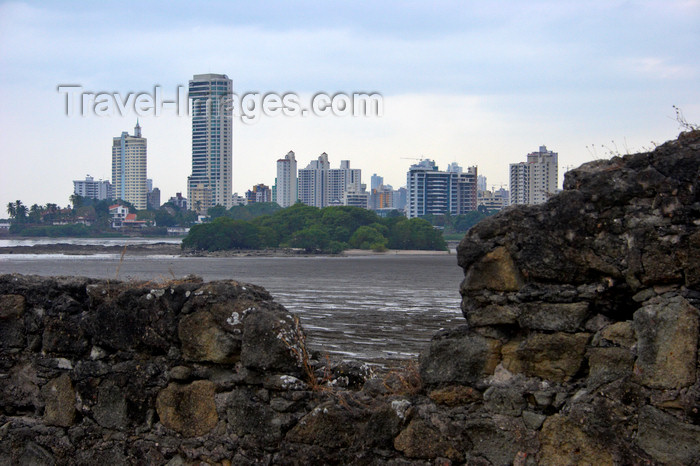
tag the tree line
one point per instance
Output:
(330, 230)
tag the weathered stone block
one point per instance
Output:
(608, 364)
(667, 339)
(247, 414)
(555, 357)
(491, 314)
(459, 357)
(111, 409)
(499, 439)
(328, 425)
(556, 317)
(188, 409)
(495, 271)
(272, 341)
(666, 438)
(203, 339)
(423, 441)
(455, 395)
(618, 334)
(505, 400)
(11, 321)
(690, 261)
(59, 400)
(565, 443)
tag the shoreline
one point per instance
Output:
(170, 249)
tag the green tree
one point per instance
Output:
(416, 233)
(311, 239)
(11, 209)
(77, 200)
(216, 211)
(17, 211)
(35, 213)
(164, 218)
(367, 237)
(221, 234)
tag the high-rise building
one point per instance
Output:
(100, 189)
(454, 168)
(481, 183)
(129, 168)
(321, 186)
(381, 197)
(259, 193)
(375, 182)
(433, 192)
(399, 198)
(313, 182)
(356, 199)
(153, 198)
(466, 190)
(534, 181)
(286, 182)
(178, 201)
(494, 200)
(342, 180)
(211, 180)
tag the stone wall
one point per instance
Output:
(582, 314)
(580, 347)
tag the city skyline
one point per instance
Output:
(473, 84)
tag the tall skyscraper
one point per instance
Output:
(286, 186)
(212, 142)
(129, 168)
(430, 191)
(534, 181)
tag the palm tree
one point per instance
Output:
(35, 213)
(76, 200)
(11, 209)
(20, 211)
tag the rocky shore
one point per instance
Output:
(170, 249)
(90, 249)
(580, 346)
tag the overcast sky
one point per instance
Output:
(479, 83)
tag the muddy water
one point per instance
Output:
(373, 308)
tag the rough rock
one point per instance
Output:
(667, 342)
(556, 356)
(459, 356)
(59, 399)
(565, 443)
(188, 409)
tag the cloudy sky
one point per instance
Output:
(479, 83)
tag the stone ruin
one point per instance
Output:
(580, 346)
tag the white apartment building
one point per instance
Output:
(494, 200)
(434, 192)
(321, 186)
(211, 181)
(129, 168)
(287, 182)
(100, 189)
(534, 181)
(342, 180)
